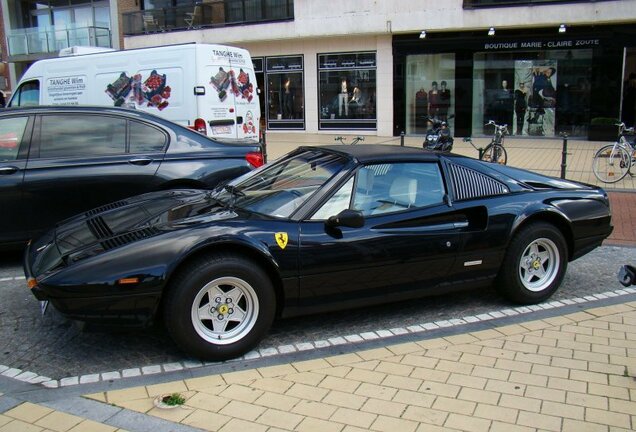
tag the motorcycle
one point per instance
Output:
(438, 135)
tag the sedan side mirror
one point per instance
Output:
(347, 218)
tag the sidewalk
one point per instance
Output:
(574, 372)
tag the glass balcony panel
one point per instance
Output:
(54, 38)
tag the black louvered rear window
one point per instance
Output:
(106, 207)
(469, 184)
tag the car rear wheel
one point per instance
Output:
(219, 306)
(534, 265)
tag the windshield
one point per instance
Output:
(278, 190)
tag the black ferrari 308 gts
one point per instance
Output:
(322, 228)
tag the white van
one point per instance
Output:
(211, 88)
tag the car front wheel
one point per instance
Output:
(535, 264)
(219, 306)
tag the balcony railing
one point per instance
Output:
(52, 39)
(474, 4)
(208, 14)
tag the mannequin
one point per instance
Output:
(343, 98)
(521, 105)
(288, 99)
(421, 110)
(505, 104)
(433, 100)
(444, 101)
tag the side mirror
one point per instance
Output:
(346, 218)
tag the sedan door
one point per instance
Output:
(408, 243)
(83, 161)
(14, 141)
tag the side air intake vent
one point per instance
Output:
(106, 207)
(129, 237)
(468, 184)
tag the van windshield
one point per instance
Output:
(28, 94)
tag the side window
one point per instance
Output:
(145, 138)
(71, 135)
(27, 95)
(338, 202)
(11, 133)
(387, 188)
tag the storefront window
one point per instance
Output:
(430, 90)
(536, 93)
(347, 91)
(285, 92)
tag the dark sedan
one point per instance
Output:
(56, 162)
(321, 229)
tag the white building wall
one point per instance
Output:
(321, 26)
(322, 18)
(310, 48)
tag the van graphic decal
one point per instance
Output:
(133, 91)
(240, 85)
(249, 127)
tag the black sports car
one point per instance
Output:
(323, 228)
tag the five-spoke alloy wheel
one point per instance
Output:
(534, 264)
(219, 306)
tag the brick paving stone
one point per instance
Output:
(314, 409)
(353, 417)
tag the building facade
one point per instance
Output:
(381, 67)
(37, 29)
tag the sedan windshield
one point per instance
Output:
(278, 190)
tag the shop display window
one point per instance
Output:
(536, 93)
(347, 89)
(285, 92)
(430, 90)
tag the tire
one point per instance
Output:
(611, 164)
(534, 264)
(495, 153)
(219, 307)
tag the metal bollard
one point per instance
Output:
(402, 139)
(264, 146)
(564, 155)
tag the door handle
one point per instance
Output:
(140, 161)
(8, 170)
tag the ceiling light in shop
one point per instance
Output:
(423, 34)
(491, 31)
(562, 28)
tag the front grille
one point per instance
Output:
(468, 184)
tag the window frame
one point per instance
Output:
(129, 126)
(343, 183)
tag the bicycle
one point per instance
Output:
(342, 139)
(494, 151)
(612, 162)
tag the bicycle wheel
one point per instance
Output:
(495, 153)
(611, 163)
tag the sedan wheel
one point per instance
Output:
(534, 265)
(219, 306)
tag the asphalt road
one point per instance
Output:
(55, 347)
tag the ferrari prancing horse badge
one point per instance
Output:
(281, 239)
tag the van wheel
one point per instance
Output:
(219, 307)
(534, 265)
